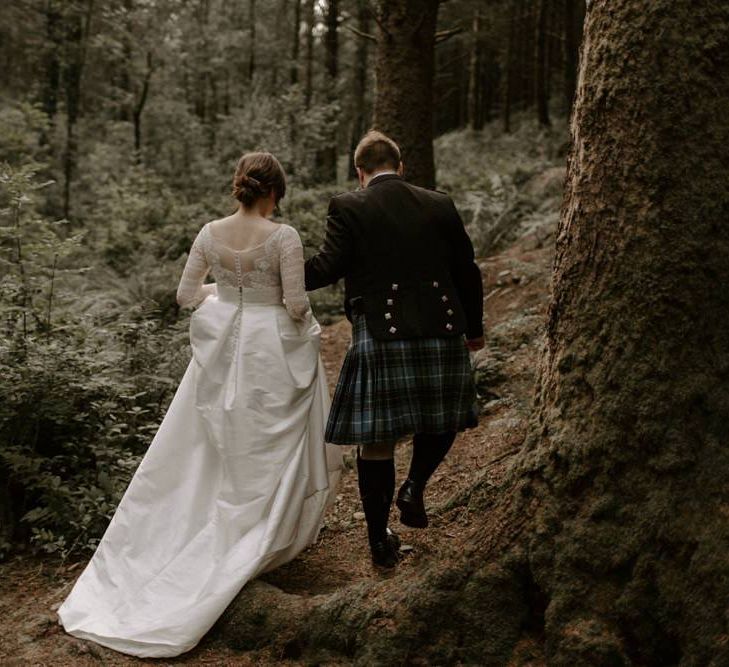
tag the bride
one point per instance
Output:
(237, 478)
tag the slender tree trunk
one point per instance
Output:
(541, 94)
(139, 108)
(474, 74)
(359, 80)
(309, 56)
(52, 66)
(78, 28)
(53, 20)
(280, 25)
(404, 72)
(526, 53)
(490, 86)
(251, 39)
(122, 73)
(296, 43)
(332, 40)
(509, 66)
(328, 157)
(201, 64)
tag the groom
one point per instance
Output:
(415, 299)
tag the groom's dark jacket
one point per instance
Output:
(405, 252)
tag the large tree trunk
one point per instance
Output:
(629, 457)
(404, 70)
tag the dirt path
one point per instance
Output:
(517, 288)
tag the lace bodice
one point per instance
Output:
(278, 261)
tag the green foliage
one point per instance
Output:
(85, 380)
(20, 126)
(79, 408)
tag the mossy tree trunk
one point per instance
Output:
(629, 456)
(404, 69)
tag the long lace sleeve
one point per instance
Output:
(292, 274)
(191, 290)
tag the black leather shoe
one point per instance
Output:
(411, 505)
(386, 552)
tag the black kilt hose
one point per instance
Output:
(391, 388)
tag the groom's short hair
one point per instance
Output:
(376, 150)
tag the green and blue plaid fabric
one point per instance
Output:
(389, 389)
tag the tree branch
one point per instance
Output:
(445, 35)
(359, 33)
(373, 12)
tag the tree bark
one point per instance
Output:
(404, 71)
(628, 456)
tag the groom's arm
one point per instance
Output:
(331, 262)
(466, 275)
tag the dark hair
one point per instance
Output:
(376, 150)
(256, 176)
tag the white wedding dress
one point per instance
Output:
(237, 478)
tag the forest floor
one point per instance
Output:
(517, 288)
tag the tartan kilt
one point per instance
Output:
(392, 388)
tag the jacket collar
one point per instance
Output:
(381, 178)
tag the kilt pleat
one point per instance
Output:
(389, 389)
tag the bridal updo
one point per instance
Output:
(256, 176)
